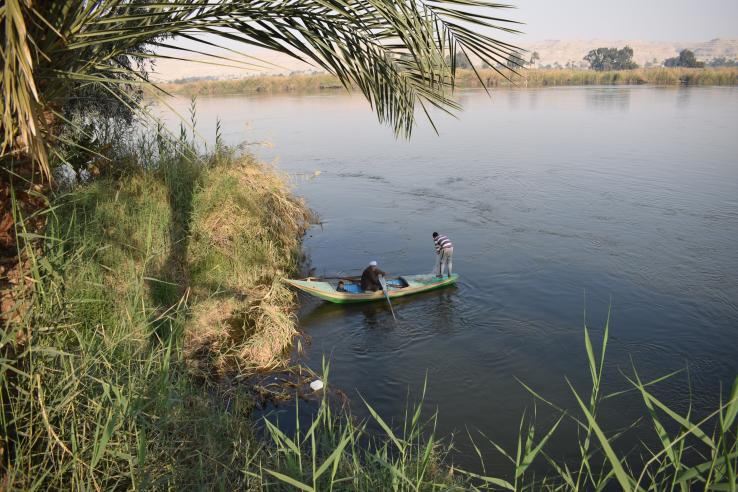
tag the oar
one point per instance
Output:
(386, 295)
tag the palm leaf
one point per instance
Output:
(399, 55)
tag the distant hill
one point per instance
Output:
(551, 52)
(572, 51)
(716, 48)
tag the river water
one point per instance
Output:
(560, 202)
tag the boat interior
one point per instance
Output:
(353, 287)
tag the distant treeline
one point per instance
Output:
(573, 77)
(276, 84)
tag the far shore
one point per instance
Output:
(466, 78)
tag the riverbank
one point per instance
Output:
(158, 306)
(576, 77)
(156, 281)
(296, 83)
(158, 292)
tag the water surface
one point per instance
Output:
(558, 201)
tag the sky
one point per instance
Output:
(648, 20)
(608, 20)
(645, 20)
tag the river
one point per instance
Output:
(562, 203)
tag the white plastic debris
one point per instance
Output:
(65, 177)
(85, 176)
(316, 385)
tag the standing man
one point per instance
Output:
(370, 278)
(445, 252)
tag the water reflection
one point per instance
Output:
(438, 303)
(684, 95)
(514, 97)
(608, 98)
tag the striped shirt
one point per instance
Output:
(442, 242)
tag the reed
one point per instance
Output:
(336, 452)
(101, 386)
(691, 453)
(102, 393)
(245, 237)
(98, 396)
(574, 77)
(265, 84)
(467, 79)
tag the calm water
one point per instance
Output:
(557, 201)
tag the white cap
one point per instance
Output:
(372, 263)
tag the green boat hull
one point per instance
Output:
(416, 284)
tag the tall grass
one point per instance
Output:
(99, 398)
(245, 238)
(691, 453)
(265, 84)
(102, 384)
(336, 453)
(104, 396)
(296, 83)
(578, 77)
(568, 77)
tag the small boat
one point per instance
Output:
(397, 287)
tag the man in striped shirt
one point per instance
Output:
(445, 252)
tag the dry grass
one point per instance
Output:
(221, 233)
(246, 230)
(575, 77)
(105, 397)
(467, 79)
(264, 84)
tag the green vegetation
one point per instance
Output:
(296, 83)
(689, 452)
(573, 77)
(607, 59)
(107, 396)
(108, 380)
(135, 305)
(101, 394)
(514, 61)
(265, 84)
(58, 53)
(685, 59)
(534, 58)
(723, 62)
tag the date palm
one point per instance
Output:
(400, 54)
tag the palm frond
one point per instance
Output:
(399, 54)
